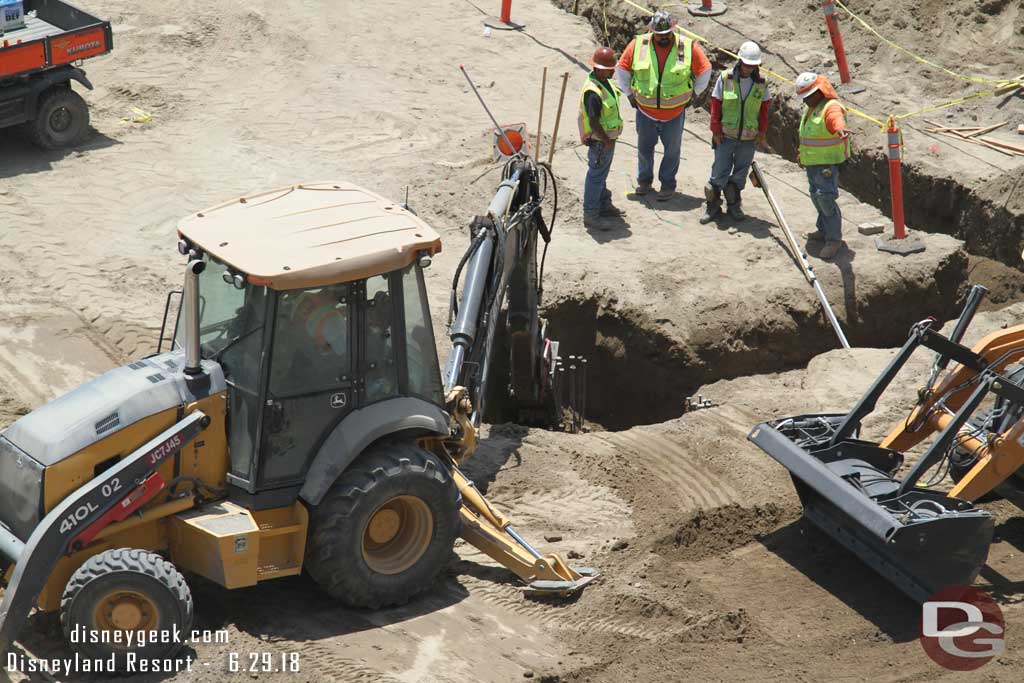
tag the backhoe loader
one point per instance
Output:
(917, 536)
(298, 421)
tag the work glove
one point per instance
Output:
(632, 100)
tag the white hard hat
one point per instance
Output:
(750, 53)
(806, 84)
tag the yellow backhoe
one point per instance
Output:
(298, 421)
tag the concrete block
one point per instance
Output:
(872, 228)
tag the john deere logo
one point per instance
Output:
(338, 400)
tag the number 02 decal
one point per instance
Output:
(111, 488)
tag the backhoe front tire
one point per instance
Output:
(126, 590)
(386, 527)
(62, 117)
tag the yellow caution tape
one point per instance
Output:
(960, 100)
(922, 60)
(856, 112)
(702, 39)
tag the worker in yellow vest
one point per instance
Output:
(662, 72)
(600, 124)
(739, 122)
(824, 146)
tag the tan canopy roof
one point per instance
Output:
(311, 235)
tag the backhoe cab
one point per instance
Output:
(298, 421)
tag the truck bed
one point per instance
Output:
(35, 29)
(55, 33)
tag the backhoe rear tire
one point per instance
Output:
(386, 527)
(126, 590)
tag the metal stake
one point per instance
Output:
(805, 267)
(501, 131)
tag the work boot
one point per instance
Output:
(814, 236)
(643, 188)
(592, 221)
(612, 211)
(711, 212)
(732, 199)
(830, 249)
(665, 194)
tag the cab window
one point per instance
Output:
(379, 367)
(312, 349)
(421, 354)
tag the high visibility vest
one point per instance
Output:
(739, 115)
(673, 87)
(611, 118)
(818, 146)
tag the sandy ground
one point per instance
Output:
(708, 574)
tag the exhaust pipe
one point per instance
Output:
(196, 379)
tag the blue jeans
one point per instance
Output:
(648, 132)
(824, 189)
(732, 161)
(596, 195)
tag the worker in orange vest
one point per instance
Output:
(661, 71)
(824, 147)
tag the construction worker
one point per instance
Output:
(739, 122)
(600, 123)
(824, 145)
(661, 71)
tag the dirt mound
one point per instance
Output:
(717, 531)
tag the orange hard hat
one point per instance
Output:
(603, 58)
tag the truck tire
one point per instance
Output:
(128, 590)
(386, 527)
(62, 117)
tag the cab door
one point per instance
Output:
(311, 381)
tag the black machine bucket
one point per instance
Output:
(920, 540)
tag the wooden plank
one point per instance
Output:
(942, 129)
(1010, 86)
(987, 130)
(998, 143)
(964, 138)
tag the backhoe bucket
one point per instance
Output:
(920, 540)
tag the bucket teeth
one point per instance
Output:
(562, 589)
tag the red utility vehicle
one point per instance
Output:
(39, 60)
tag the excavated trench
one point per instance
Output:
(641, 370)
(940, 205)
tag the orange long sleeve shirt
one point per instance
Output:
(698, 65)
(835, 120)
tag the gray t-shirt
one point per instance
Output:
(745, 85)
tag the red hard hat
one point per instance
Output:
(603, 58)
